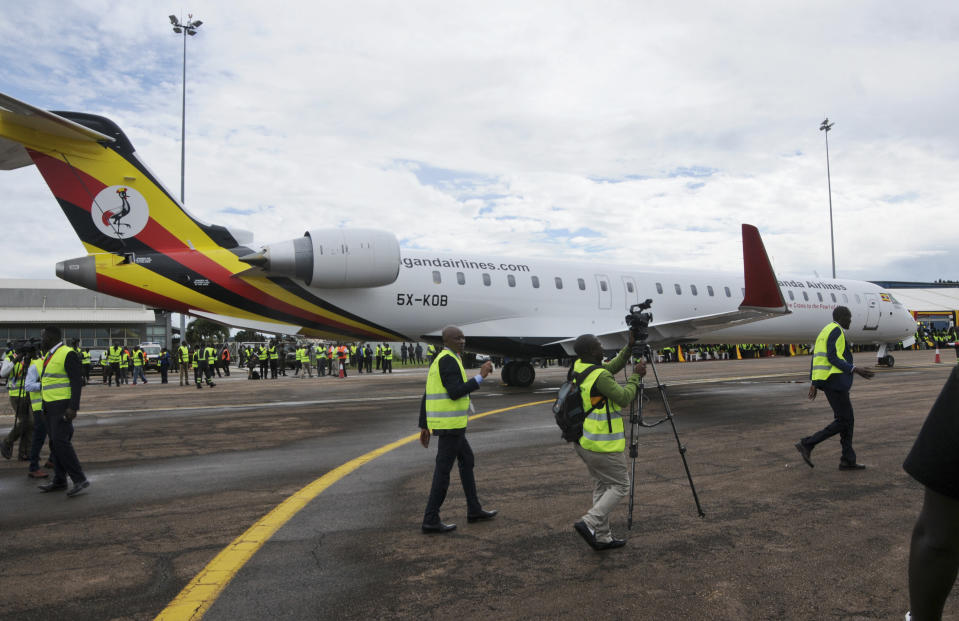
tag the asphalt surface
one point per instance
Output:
(178, 473)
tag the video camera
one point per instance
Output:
(638, 322)
(25, 348)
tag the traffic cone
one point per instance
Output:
(679, 353)
(341, 370)
(938, 359)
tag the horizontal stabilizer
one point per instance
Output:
(248, 324)
(24, 125)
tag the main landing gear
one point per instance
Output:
(518, 373)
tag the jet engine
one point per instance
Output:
(333, 258)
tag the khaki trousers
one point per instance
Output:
(610, 485)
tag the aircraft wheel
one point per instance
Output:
(523, 374)
(890, 361)
(507, 373)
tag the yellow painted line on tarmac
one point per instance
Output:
(197, 596)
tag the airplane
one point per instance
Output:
(360, 285)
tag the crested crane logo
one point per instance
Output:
(119, 211)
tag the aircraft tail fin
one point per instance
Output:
(113, 201)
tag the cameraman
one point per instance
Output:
(604, 439)
(20, 403)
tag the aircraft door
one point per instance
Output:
(872, 311)
(605, 293)
(632, 293)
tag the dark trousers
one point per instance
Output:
(273, 364)
(39, 437)
(65, 461)
(842, 424)
(451, 448)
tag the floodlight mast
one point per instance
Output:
(825, 126)
(188, 28)
(185, 28)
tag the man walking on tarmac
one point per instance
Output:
(603, 442)
(444, 411)
(832, 372)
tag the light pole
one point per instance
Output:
(187, 28)
(825, 127)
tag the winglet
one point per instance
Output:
(762, 287)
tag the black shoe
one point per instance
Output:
(53, 486)
(845, 465)
(805, 451)
(609, 545)
(587, 534)
(438, 527)
(6, 450)
(481, 516)
(78, 487)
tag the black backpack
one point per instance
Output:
(568, 407)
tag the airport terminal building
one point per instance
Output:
(96, 319)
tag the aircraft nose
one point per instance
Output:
(80, 271)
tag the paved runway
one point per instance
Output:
(178, 474)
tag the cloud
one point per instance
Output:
(502, 126)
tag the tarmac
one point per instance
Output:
(178, 474)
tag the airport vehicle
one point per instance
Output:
(358, 285)
(152, 351)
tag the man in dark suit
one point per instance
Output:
(61, 379)
(444, 412)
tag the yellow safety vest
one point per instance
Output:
(12, 379)
(184, 353)
(441, 411)
(54, 383)
(273, 354)
(114, 355)
(821, 367)
(138, 359)
(603, 430)
(36, 397)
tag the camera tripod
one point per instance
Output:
(636, 421)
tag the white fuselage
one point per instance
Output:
(543, 301)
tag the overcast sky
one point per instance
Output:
(630, 132)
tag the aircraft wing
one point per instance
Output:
(763, 300)
(26, 124)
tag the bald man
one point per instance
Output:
(444, 412)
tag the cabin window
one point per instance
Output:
(819, 295)
(511, 280)
(659, 287)
(858, 301)
(603, 286)
(805, 296)
(629, 286)
(460, 278)
(833, 296)
(486, 280)
(692, 289)
(437, 279)
(845, 298)
(581, 283)
(679, 290)
(792, 298)
(558, 281)
(729, 293)
(709, 290)
(535, 281)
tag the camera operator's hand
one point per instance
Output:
(640, 368)
(69, 415)
(861, 372)
(425, 438)
(632, 338)
(486, 369)
(812, 393)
